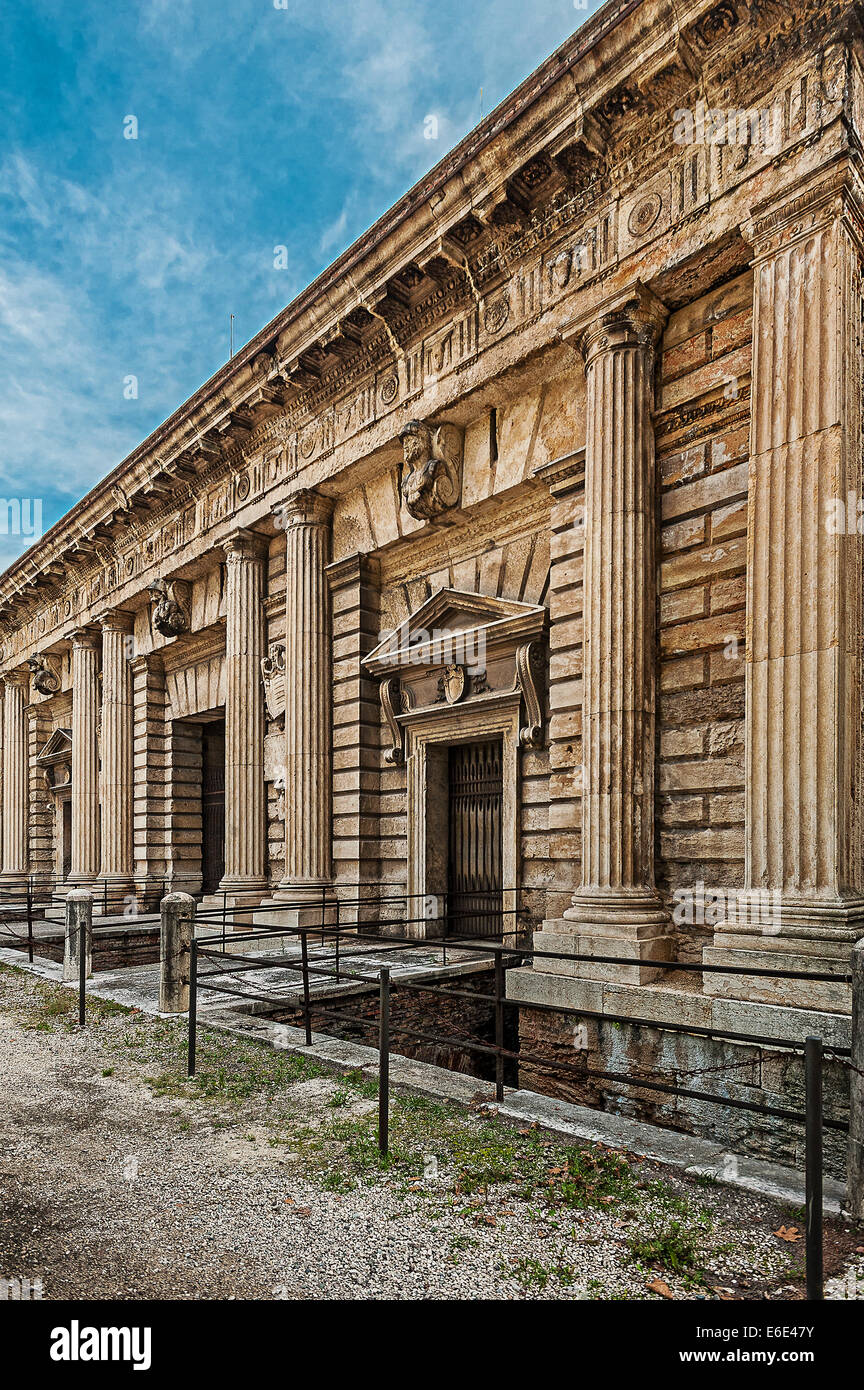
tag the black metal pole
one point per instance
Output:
(30, 920)
(82, 970)
(193, 1003)
(304, 956)
(338, 929)
(813, 1171)
(499, 1026)
(384, 1061)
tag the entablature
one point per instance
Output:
(559, 196)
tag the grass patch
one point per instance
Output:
(672, 1247)
(532, 1273)
(229, 1070)
(478, 1159)
(49, 1006)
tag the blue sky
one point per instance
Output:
(260, 125)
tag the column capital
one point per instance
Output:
(18, 676)
(815, 201)
(631, 317)
(304, 508)
(116, 620)
(245, 545)
(85, 638)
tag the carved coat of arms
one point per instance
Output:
(453, 681)
(273, 675)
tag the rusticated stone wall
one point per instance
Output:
(752, 1073)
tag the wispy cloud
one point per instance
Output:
(258, 125)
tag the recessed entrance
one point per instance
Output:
(474, 861)
(212, 804)
(65, 838)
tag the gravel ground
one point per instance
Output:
(260, 1179)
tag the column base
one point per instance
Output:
(10, 881)
(630, 923)
(306, 904)
(774, 932)
(237, 900)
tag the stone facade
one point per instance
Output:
(586, 400)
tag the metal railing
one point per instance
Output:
(23, 904)
(371, 958)
(318, 959)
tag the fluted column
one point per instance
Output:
(308, 694)
(617, 910)
(84, 866)
(117, 733)
(804, 891)
(245, 810)
(15, 789)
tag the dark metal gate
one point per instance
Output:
(212, 806)
(474, 860)
(66, 853)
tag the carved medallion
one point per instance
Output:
(496, 314)
(644, 214)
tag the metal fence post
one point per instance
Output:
(30, 920)
(193, 1003)
(384, 1061)
(499, 1025)
(855, 1150)
(304, 959)
(813, 1171)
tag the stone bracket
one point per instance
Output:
(391, 696)
(529, 675)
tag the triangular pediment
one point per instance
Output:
(454, 611)
(57, 749)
